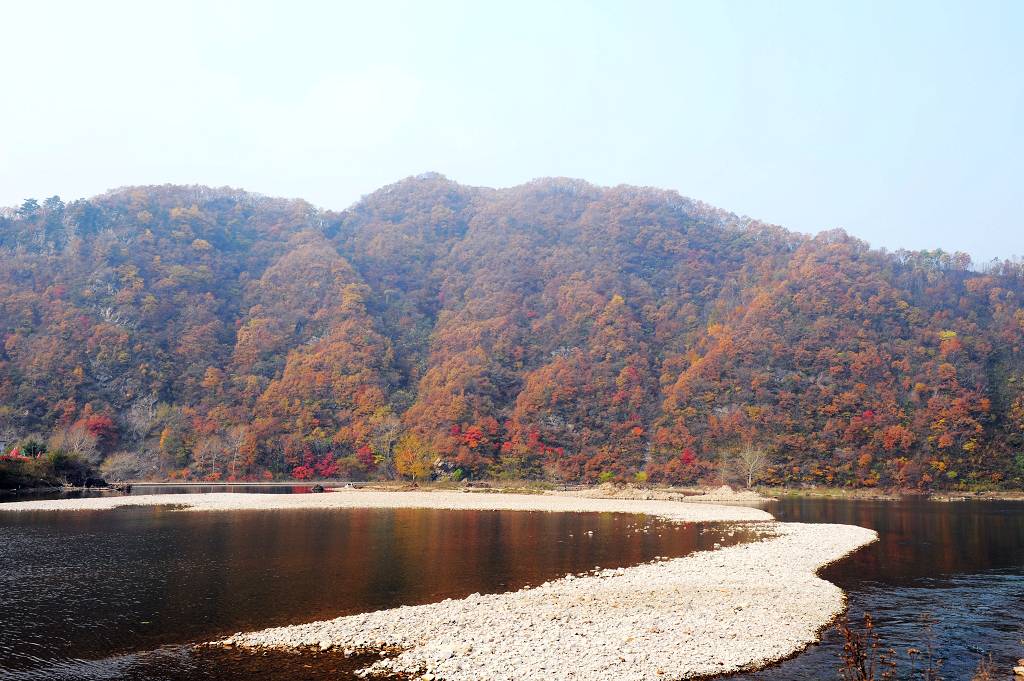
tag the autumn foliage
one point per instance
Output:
(553, 330)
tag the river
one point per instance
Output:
(115, 595)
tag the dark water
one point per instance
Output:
(239, 488)
(113, 594)
(961, 563)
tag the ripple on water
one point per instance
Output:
(187, 663)
(960, 563)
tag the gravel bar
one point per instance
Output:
(441, 499)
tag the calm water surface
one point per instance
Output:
(113, 594)
(961, 563)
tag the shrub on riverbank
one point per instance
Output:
(43, 469)
(18, 472)
(865, 657)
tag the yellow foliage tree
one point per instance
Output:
(413, 457)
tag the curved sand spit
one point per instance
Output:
(709, 613)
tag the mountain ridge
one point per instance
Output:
(554, 329)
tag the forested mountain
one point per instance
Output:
(556, 329)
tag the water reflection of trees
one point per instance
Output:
(139, 578)
(920, 539)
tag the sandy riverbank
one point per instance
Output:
(718, 495)
(440, 499)
(708, 613)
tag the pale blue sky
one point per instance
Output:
(898, 121)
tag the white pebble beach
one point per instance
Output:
(713, 612)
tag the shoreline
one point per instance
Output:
(625, 491)
(734, 609)
(439, 499)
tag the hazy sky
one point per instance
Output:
(902, 122)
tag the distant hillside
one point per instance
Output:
(556, 329)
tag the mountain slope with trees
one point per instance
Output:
(555, 329)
